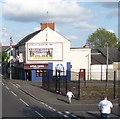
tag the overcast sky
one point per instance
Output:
(73, 19)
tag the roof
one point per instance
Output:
(5, 48)
(28, 37)
(101, 55)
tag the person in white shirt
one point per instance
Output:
(105, 107)
(70, 95)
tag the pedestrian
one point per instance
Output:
(70, 95)
(105, 107)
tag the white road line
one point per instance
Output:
(54, 109)
(3, 84)
(7, 87)
(65, 116)
(40, 114)
(13, 93)
(18, 85)
(67, 112)
(24, 102)
(60, 112)
(14, 84)
(73, 115)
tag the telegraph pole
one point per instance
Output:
(10, 57)
(107, 66)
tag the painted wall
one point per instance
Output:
(80, 59)
(52, 37)
(98, 72)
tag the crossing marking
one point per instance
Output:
(3, 84)
(40, 114)
(24, 102)
(7, 87)
(13, 93)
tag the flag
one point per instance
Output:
(11, 42)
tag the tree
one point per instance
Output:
(5, 58)
(102, 37)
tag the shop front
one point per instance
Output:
(35, 72)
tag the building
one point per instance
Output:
(41, 54)
(45, 54)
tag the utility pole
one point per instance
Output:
(107, 65)
(10, 57)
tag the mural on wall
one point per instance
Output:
(44, 51)
(61, 66)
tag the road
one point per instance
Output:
(44, 104)
(16, 103)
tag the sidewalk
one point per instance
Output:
(34, 89)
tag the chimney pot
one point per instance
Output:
(45, 25)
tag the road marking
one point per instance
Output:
(54, 109)
(18, 85)
(24, 102)
(13, 93)
(14, 84)
(7, 87)
(65, 116)
(3, 84)
(73, 115)
(0, 81)
(40, 114)
(67, 112)
(60, 112)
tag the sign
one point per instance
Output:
(45, 51)
(35, 66)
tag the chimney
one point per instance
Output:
(45, 25)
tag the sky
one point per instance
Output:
(74, 19)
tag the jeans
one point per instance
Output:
(105, 116)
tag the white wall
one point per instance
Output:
(52, 36)
(98, 72)
(80, 59)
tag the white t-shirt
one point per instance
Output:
(69, 94)
(105, 106)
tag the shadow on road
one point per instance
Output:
(97, 116)
(63, 100)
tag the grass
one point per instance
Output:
(96, 92)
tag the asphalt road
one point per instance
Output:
(16, 103)
(25, 105)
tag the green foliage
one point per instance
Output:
(5, 58)
(102, 37)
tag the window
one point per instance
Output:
(41, 73)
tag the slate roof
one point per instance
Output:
(28, 37)
(5, 48)
(101, 58)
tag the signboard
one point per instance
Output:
(44, 51)
(35, 66)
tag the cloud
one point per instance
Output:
(63, 11)
(84, 26)
(110, 30)
(72, 37)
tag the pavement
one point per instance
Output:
(35, 90)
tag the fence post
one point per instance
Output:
(114, 83)
(56, 78)
(66, 80)
(79, 87)
(59, 79)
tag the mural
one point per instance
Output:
(43, 51)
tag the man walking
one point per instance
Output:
(70, 95)
(105, 107)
